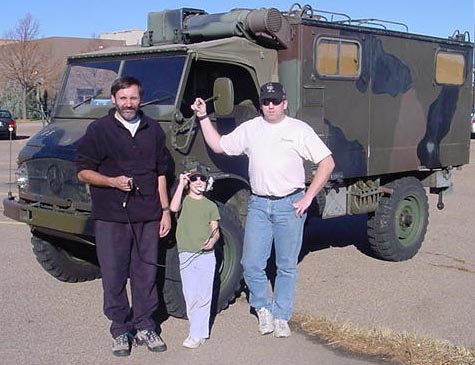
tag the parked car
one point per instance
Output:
(7, 121)
(473, 124)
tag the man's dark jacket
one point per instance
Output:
(109, 148)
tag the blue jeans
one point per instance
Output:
(272, 221)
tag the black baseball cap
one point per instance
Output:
(273, 90)
(198, 171)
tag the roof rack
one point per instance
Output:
(459, 36)
(376, 22)
(306, 11)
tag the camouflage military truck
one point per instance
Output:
(391, 105)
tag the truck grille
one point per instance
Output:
(52, 181)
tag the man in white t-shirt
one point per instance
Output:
(276, 146)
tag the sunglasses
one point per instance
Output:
(203, 178)
(275, 102)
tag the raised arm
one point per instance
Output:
(175, 204)
(211, 135)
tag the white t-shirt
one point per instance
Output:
(276, 153)
(132, 126)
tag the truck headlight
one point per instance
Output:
(22, 177)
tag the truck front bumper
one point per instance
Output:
(41, 216)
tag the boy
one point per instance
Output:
(197, 233)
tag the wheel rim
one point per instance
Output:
(409, 218)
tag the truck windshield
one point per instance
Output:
(89, 82)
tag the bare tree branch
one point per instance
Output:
(23, 62)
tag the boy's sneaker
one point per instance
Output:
(266, 321)
(281, 328)
(121, 345)
(193, 343)
(150, 338)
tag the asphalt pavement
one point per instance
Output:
(45, 321)
(431, 295)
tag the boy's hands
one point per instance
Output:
(184, 179)
(208, 245)
(213, 238)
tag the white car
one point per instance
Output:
(473, 124)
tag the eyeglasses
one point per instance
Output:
(203, 178)
(275, 102)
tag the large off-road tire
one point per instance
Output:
(67, 261)
(397, 228)
(172, 294)
(228, 278)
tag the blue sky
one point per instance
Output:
(87, 19)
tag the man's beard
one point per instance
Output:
(128, 114)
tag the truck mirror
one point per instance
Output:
(223, 94)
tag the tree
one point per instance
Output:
(23, 62)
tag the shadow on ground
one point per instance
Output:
(335, 232)
(7, 139)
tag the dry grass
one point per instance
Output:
(385, 345)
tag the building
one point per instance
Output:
(131, 37)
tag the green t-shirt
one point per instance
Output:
(193, 227)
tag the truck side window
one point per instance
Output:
(449, 68)
(338, 57)
(201, 80)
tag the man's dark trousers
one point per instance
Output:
(125, 250)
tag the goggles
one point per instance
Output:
(275, 102)
(195, 177)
